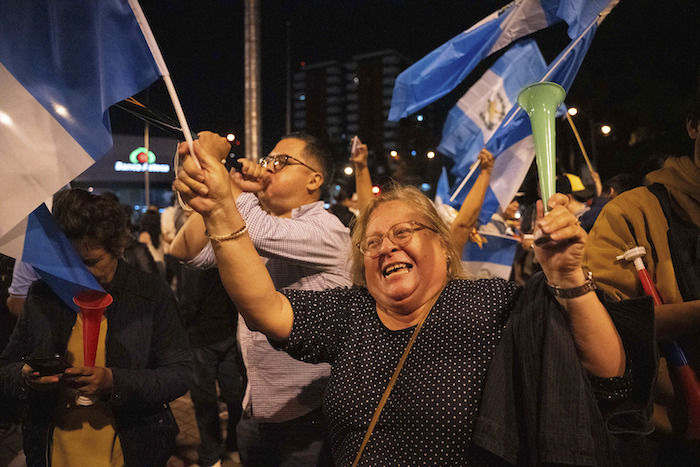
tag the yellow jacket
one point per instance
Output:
(635, 218)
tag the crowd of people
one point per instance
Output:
(355, 336)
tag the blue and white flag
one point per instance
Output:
(477, 115)
(494, 258)
(63, 63)
(444, 68)
(512, 145)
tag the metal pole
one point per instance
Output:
(288, 127)
(146, 142)
(253, 115)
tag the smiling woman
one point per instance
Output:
(413, 321)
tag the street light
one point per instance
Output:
(572, 111)
(605, 129)
(230, 137)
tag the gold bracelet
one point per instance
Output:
(231, 236)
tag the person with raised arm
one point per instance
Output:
(414, 323)
(302, 246)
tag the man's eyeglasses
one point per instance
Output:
(399, 234)
(280, 161)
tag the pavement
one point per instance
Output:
(185, 455)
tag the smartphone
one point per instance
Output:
(48, 365)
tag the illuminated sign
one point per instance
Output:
(140, 161)
(120, 166)
(140, 156)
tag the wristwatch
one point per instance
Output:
(574, 292)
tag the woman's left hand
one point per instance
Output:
(560, 257)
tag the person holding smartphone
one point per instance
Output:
(143, 359)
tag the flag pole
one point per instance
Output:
(580, 143)
(146, 177)
(160, 62)
(472, 169)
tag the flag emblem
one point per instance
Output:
(495, 111)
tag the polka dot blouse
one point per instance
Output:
(430, 415)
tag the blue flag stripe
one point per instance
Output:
(498, 250)
(85, 57)
(48, 250)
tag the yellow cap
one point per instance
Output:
(576, 183)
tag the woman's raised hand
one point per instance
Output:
(207, 188)
(562, 256)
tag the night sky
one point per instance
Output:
(640, 73)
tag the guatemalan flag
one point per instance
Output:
(512, 145)
(63, 63)
(477, 114)
(444, 68)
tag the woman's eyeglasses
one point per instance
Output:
(280, 161)
(400, 235)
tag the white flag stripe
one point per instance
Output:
(510, 169)
(12, 243)
(525, 19)
(34, 166)
(485, 270)
(486, 103)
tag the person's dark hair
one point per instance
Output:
(150, 222)
(92, 220)
(317, 153)
(110, 195)
(621, 182)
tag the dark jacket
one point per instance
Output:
(146, 348)
(539, 406)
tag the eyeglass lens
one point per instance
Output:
(277, 162)
(400, 234)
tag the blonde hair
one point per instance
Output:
(428, 216)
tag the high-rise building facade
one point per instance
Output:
(337, 100)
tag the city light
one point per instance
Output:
(61, 110)
(5, 119)
(230, 137)
(572, 111)
(419, 118)
(431, 154)
(375, 190)
(348, 170)
(394, 154)
(605, 129)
